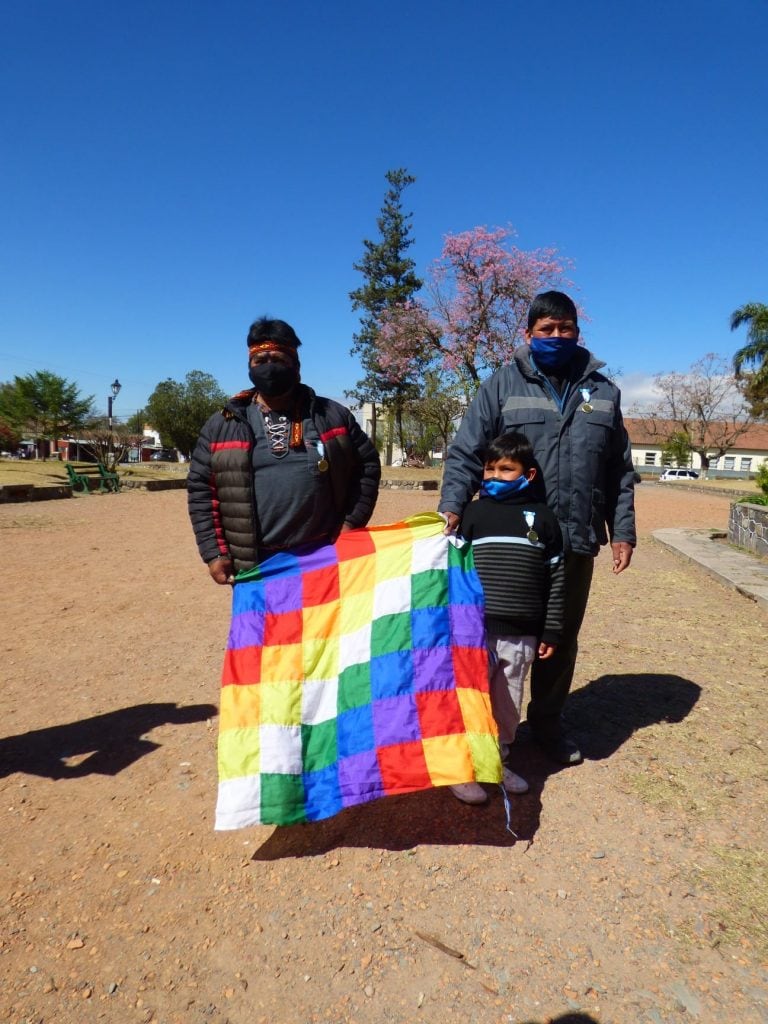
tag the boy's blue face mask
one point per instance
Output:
(553, 353)
(499, 489)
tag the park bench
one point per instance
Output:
(81, 476)
(110, 480)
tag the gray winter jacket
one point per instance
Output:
(583, 454)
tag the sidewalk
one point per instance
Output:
(736, 569)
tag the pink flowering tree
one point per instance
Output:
(479, 292)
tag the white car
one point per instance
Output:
(679, 474)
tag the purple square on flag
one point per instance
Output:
(395, 720)
(284, 594)
(468, 625)
(360, 778)
(246, 630)
(317, 557)
(433, 670)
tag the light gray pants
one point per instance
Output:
(510, 660)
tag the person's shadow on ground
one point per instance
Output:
(603, 715)
(111, 741)
(607, 711)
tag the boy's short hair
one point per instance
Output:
(512, 446)
(558, 305)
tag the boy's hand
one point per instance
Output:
(451, 522)
(546, 650)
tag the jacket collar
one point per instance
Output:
(238, 404)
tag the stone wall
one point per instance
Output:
(748, 527)
(28, 492)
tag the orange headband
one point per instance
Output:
(273, 346)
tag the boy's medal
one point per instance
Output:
(587, 406)
(530, 518)
(323, 463)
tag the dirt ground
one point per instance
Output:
(636, 891)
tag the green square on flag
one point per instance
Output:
(283, 793)
(318, 745)
(391, 633)
(355, 687)
(429, 589)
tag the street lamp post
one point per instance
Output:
(115, 388)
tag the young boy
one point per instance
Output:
(518, 551)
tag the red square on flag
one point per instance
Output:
(320, 586)
(439, 713)
(282, 628)
(470, 667)
(354, 544)
(242, 666)
(403, 768)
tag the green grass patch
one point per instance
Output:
(45, 473)
(739, 882)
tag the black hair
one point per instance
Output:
(265, 329)
(512, 446)
(558, 305)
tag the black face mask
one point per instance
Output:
(271, 379)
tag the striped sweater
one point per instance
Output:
(522, 577)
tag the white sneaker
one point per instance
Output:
(514, 783)
(470, 793)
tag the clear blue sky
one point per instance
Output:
(172, 170)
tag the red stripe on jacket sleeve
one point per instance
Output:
(216, 515)
(334, 432)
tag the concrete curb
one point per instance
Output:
(736, 569)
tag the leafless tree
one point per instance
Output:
(703, 408)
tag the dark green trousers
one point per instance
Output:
(551, 679)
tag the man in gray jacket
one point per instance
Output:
(553, 392)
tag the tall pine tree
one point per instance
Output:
(388, 281)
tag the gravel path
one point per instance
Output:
(636, 891)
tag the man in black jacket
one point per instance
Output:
(552, 391)
(279, 466)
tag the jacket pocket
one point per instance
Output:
(524, 412)
(599, 430)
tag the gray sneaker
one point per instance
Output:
(514, 783)
(470, 793)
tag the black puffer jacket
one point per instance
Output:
(220, 485)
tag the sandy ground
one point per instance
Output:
(635, 891)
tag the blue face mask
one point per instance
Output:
(499, 489)
(553, 353)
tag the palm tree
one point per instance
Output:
(755, 315)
